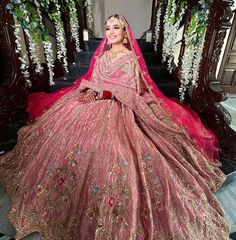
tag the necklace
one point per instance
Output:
(114, 54)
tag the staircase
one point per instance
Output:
(157, 70)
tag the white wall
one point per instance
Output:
(137, 12)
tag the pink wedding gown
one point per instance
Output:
(115, 169)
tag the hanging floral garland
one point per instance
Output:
(28, 17)
(194, 40)
(171, 25)
(60, 35)
(23, 67)
(88, 5)
(74, 24)
(47, 45)
(157, 26)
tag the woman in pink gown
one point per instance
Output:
(112, 158)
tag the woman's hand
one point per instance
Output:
(88, 96)
(91, 96)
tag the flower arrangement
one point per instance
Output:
(194, 38)
(171, 25)
(194, 44)
(88, 5)
(74, 25)
(157, 26)
(28, 16)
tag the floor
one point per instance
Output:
(230, 106)
(227, 194)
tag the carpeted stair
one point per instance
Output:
(157, 70)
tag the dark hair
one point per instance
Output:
(117, 16)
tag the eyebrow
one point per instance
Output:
(116, 25)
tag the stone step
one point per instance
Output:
(167, 87)
(156, 72)
(92, 45)
(76, 71)
(84, 58)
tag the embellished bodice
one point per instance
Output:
(120, 71)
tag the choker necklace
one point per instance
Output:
(114, 54)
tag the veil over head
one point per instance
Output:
(181, 115)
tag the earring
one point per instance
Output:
(125, 41)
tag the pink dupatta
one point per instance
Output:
(183, 116)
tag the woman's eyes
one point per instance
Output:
(116, 28)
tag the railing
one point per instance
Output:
(203, 99)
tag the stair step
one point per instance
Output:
(167, 87)
(84, 58)
(61, 84)
(92, 45)
(156, 72)
(77, 71)
(159, 72)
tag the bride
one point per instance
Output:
(112, 158)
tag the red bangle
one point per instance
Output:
(106, 95)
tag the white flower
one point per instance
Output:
(157, 27)
(34, 52)
(61, 39)
(74, 24)
(23, 67)
(88, 5)
(170, 32)
(47, 45)
(191, 62)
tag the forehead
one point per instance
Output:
(113, 21)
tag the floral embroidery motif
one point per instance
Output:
(50, 133)
(49, 168)
(78, 152)
(39, 189)
(96, 190)
(115, 169)
(111, 201)
(61, 181)
(148, 157)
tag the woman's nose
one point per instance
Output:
(111, 30)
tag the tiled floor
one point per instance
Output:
(230, 106)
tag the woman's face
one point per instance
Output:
(114, 31)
